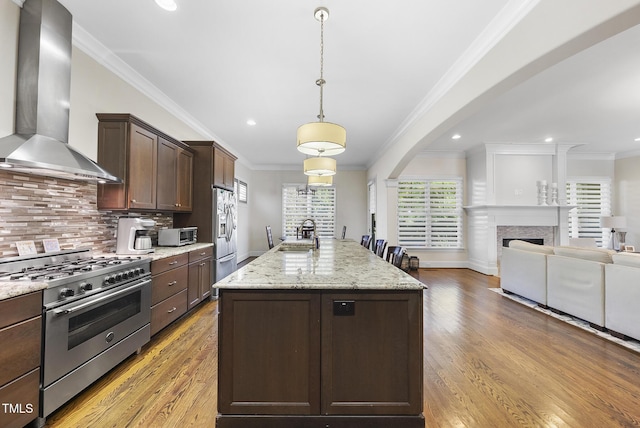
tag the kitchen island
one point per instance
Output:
(328, 337)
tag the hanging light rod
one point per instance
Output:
(321, 138)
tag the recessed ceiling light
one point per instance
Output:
(169, 5)
(548, 139)
(251, 122)
(637, 139)
(456, 136)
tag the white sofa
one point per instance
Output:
(576, 282)
(523, 270)
(622, 295)
(566, 279)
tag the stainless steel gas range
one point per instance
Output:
(96, 312)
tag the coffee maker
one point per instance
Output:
(133, 235)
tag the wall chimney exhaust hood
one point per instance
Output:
(39, 145)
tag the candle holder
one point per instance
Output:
(554, 194)
(542, 193)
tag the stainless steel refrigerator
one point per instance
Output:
(224, 232)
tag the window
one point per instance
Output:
(430, 213)
(318, 204)
(240, 188)
(593, 198)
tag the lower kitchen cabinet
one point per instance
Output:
(323, 354)
(200, 275)
(21, 332)
(169, 280)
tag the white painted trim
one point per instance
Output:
(19, 2)
(591, 156)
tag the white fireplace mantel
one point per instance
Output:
(483, 222)
(523, 215)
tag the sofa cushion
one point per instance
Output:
(595, 255)
(528, 246)
(626, 259)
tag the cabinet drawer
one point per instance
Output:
(200, 254)
(20, 308)
(163, 265)
(167, 311)
(22, 394)
(169, 283)
(24, 353)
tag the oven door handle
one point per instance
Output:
(100, 299)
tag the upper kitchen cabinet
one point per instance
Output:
(156, 169)
(223, 168)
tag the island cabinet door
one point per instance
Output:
(269, 353)
(372, 353)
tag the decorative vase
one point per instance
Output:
(542, 192)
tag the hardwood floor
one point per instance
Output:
(488, 362)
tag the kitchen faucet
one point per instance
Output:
(301, 228)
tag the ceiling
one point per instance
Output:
(223, 63)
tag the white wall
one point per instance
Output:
(243, 173)
(627, 203)
(265, 200)
(9, 18)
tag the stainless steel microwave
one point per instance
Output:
(177, 237)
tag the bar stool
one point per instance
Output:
(381, 244)
(394, 255)
(366, 241)
(269, 237)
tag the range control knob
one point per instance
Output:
(108, 280)
(86, 286)
(119, 276)
(66, 292)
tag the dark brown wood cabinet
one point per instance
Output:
(156, 169)
(223, 169)
(174, 177)
(169, 281)
(330, 357)
(208, 170)
(200, 276)
(21, 331)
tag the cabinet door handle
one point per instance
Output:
(171, 310)
(175, 262)
(203, 253)
(172, 283)
(133, 201)
(202, 264)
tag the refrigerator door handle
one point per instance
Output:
(227, 258)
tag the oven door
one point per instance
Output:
(78, 331)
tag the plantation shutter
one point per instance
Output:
(593, 200)
(319, 205)
(430, 213)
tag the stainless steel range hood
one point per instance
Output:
(39, 145)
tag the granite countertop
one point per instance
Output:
(336, 265)
(10, 289)
(164, 252)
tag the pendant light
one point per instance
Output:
(319, 180)
(321, 138)
(320, 166)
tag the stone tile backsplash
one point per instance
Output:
(33, 208)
